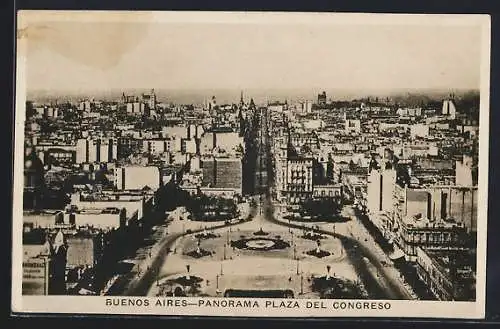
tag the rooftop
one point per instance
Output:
(95, 211)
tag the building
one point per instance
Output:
(229, 173)
(353, 126)
(207, 143)
(189, 146)
(322, 98)
(136, 177)
(150, 99)
(105, 219)
(380, 190)
(46, 219)
(449, 109)
(136, 204)
(465, 172)
(436, 218)
(222, 173)
(419, 130)
(277, 106)
(59, 156)
(453, 204)
(96, 150)
(228, 141)
(331, 191)
(155, 146)
(44, 263)
(295, 183)
(84, 249)
(449, 275)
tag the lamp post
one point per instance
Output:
(297, 267)
(301, 284)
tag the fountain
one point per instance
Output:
(199, 252)
(318, 252)
(260, 243)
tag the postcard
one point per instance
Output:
(251, 164)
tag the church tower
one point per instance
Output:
(242, 102)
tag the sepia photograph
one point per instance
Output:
(251, 164)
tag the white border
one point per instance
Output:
(96, 305)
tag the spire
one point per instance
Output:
(241, 98)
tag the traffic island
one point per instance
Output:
(317, 252)
(199, 253)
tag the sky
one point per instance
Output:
(74, 55)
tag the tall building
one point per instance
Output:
(150, 99)
(229, 173)
(307, 106)
(96, 150)
(208, 171)
(449, 109)
(464, 172)
(223, 173)
(44, 263)
(322, 98)
(380, 190)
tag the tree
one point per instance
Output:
(327, 207)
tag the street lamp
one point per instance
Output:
(301, 284)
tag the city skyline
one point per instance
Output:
(89, 56)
